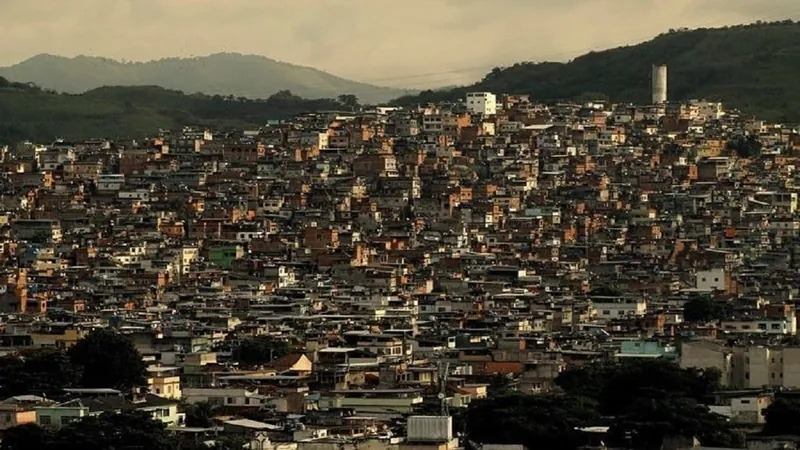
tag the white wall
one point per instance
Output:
(709, 280)
(482, 103)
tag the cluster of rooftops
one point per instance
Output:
(404, 254)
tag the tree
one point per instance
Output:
(650, 400)
(616, 384)
(605, 291)
(781, 417)
(703, 309)
(500, 384)
(745, 146)
(545, 421)
(43, 372)
(642, 402)
(648, 421)
(260, 350)
(348, 100)
(109, 431)
(108, 360)
(24, 437)
(199, 415)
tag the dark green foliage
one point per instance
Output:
(109, 431)
(781, 417)
(751, 67)
(109, 360)
(260, 350)
(44, 372)
(25, 437)
(348, 100)
(641, 401)
(500, 384)
(703, 309)
(618, 385)
(745, 146)
(538, 421)
(29, 113)
(646, 423)
(605, 291)
(652, 399)
(199, 415)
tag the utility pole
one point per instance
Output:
(443, 369)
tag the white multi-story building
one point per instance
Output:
(612, 307)
(482, 103)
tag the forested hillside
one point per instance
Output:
(28, 112)
(751, 67)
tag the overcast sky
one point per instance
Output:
(410, 43)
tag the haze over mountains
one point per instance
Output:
(234, 74)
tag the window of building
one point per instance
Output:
(45, 420)
(747, 402)
(69, 420)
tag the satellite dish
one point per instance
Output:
(441, 396)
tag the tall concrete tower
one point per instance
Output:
(659, 84)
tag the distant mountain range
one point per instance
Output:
(751, 67)
(223, 74)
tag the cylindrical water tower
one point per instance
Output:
(659, 84)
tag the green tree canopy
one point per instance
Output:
(38, 372)
(109, 360)
(703, 309)
(642, 402)
(260, 350)
(349, 101)
(648, 400)
(781, 417)
(616, 385)
(27, 436)
(646, 422)
(545, 421)
(109, 431)
(745, 146)
(605, 291)
(199, 415)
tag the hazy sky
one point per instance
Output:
(414, 43)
